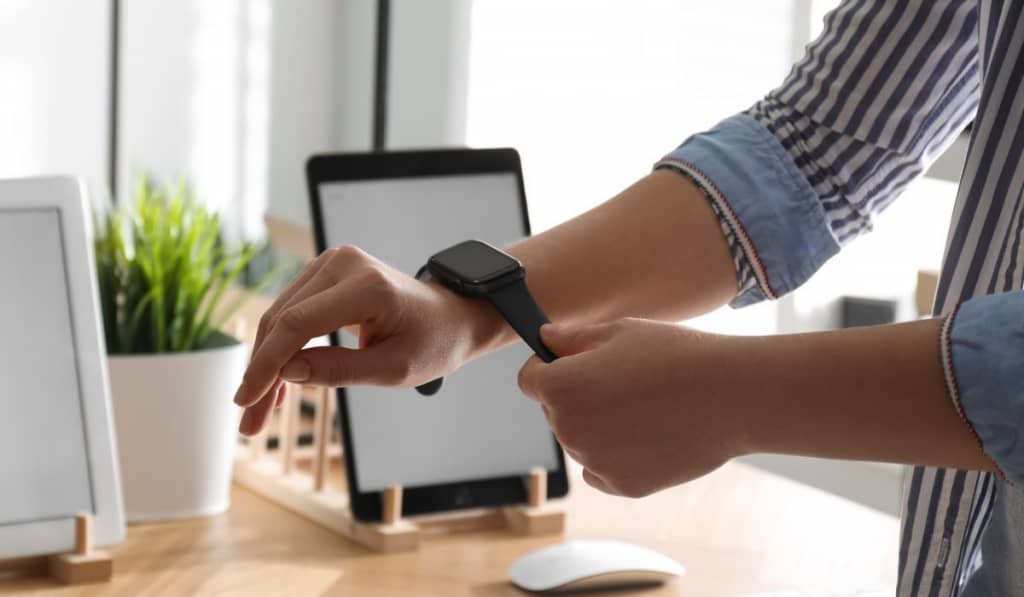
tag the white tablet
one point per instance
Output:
(471, 444)
(57, 452)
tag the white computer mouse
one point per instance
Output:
(577, 565)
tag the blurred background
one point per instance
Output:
(235, 95)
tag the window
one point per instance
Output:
(593, 92)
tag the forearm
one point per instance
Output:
(656, 251)
(875, 393)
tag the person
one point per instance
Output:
(744, 212)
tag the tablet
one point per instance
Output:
(473, 443)
(57, 456)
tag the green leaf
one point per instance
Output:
(163, 269)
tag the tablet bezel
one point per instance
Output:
(67, 196)
(328, 168)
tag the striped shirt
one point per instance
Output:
(883, 91)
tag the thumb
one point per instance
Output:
(569, 339)
(336, 366)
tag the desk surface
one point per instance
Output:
(737, 530)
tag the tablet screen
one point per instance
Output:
(479, 425)
(44, 446)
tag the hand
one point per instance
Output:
(638, 403)
(409, 332)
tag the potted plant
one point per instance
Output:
(164, 278)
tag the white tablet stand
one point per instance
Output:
(83, 565)
(286, 479)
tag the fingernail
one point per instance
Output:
(295, 371)
(240, 395)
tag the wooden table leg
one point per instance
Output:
(321, 437)
(287, 436)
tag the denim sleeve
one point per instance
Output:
(983, 357)
(770, 214)
(805, 170)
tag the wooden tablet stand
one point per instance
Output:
(83, 565)
(283, 480)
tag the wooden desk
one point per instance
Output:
(738, 530)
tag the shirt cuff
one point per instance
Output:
(762, 197)
(983, 357)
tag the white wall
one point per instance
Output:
(54, 63)
(198, 100)
(591, 103)
(356, 26)
(324, 53)
(238, 94)
(312, 53)
(429, 72)
(194, 101)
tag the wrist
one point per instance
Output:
(739, 360)
(716, 368)
(479, 323)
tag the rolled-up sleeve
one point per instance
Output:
(875, 99)
(765, 203)
(984, 365)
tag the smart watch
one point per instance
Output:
(476, 269)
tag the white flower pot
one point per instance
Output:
(176, 430)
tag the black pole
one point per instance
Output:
(380, 88)
(115, 59)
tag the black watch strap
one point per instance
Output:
(517, 306)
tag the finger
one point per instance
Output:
(597, 482)
(272, 395)
(566, 340)
(345, 303)
(545, 382)
(256, 417)
(318, 281)
(293, 288)
(530, 377)
(275, 397)
(324, 279)
(336, 366)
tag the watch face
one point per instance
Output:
(474, 261)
